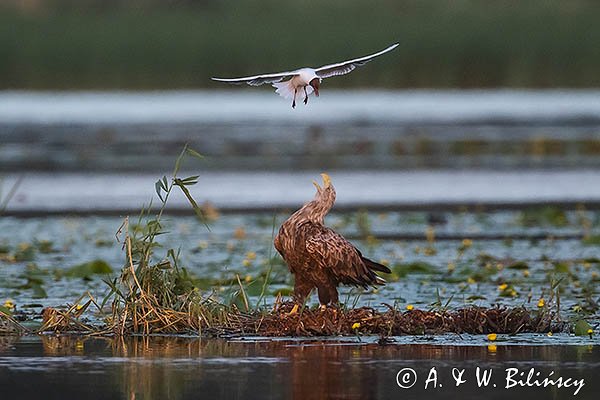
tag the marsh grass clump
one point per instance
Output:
(156, 295)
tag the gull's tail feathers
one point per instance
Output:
(286, 90)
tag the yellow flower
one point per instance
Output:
(541, 303)
(10, 304)
(467, 243)
(503, 286)
(248, 278)
(526, 273)
(492, 348)
(251, 255)
(451, 267)
(492, 337)
(590, 331)
(470, 280)
(246, 262)
(78, 307)
(549, 334)
(410, 307)
(356, 325)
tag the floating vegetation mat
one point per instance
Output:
(287, 319)
(284, 321)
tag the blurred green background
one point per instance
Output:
(152, 44)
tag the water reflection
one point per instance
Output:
(182, 368)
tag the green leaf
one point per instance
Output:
(5, 310)
(582, 327)
(178, 161)
(158, 187)
(476, 297)
(416, 267)
(88, 269)
(192, 180)
(165, 264)
(519, 265)
(192, 202)
(194, 153)
(561, 267)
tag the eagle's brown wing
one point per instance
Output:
(338, 257)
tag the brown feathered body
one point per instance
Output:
(318, 256)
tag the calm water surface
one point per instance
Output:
(52, 367)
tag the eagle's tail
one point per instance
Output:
(373, 266)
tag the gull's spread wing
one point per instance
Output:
(258, 80)
(345, 67)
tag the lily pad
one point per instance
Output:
(88, 269)
(417, 267)
(519, 265)
(548, 215)
(582, 328)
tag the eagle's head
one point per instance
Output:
(327, 190)
(324, 199)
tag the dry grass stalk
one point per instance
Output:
(68, 320)
(10, 326)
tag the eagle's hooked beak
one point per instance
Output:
(326, 180)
